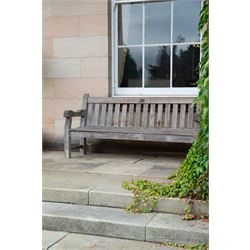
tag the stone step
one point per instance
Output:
(114, 222)
(53, 240)
(120, 199)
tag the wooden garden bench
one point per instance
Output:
(159, 119)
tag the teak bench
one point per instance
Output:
(161, 119)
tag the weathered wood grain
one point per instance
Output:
(145, 115)
(84, 107)
(167, 116)
(123, 115)
(96, 115)
(137, 115)
(130, 115)
(71, 113)
(67, 138)
(110, 114)
(140, 130)
(182, 116)
(89, 114)
(103, 114)
(159, 119)
(137, 137)
(135, 100)
(116, 117)
(175, 115)
(152, 116)
(165, 119)
(190, 121)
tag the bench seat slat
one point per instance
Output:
(159, 131)
(136, 136)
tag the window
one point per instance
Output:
(156, 47)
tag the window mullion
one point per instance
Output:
(171, 45)
(116, 46)
(143, 42)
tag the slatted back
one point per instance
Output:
(146, 112)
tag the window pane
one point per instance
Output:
(186, 19)
(130, 67)
(157, 67)
(185, 65)
(130, 24)
(157, 22)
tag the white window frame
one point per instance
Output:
(121, 91)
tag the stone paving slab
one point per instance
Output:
(49, 238)
(120, 158)
(75, 196)
(158, 171)
(109, 199)
(171, 228)
(69, 180)
(111, 222)
(79, 180)
(82, 241)
(79, 166)
(59, 155)
(173, 161)
(119, 168)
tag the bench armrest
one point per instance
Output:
(71, 113)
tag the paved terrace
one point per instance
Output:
(96, 170)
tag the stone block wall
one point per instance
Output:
(76, 58)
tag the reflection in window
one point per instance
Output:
(148, 55)
(157, 66)
(185, 65)
(130, 24)
(157, 22)
(130, 67)
(186, 19)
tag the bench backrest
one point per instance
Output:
(145, 112)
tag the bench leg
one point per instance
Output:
(85, 146)
(83, 143)
(67, 146)
(67, 139)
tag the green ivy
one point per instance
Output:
(191, 179)
(188, 247)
